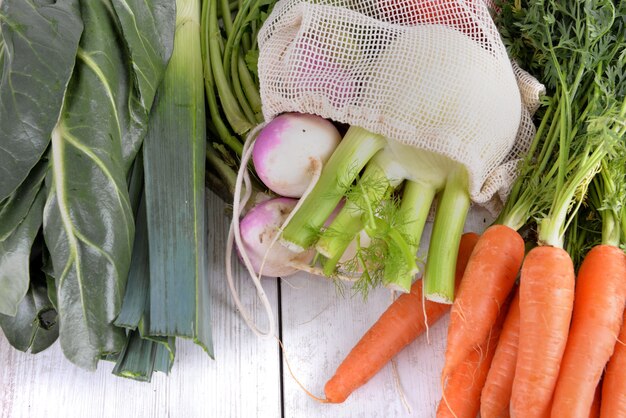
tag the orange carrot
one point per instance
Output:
(594, 411)
(598, 308)
(461, 396)
(546, 299)
(399, 325)
(488, 280)
(496, 395)
(613, 402)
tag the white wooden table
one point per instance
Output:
(249, 377)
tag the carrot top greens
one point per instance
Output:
(578, 50)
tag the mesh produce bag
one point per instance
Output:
(430, 74)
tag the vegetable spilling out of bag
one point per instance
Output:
(433, 112)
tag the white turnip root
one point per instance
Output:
(290, 149)
(258, 230)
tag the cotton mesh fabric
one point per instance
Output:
(430, 74)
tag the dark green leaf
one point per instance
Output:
(35, 325)
(17, 205)
(40, 51)
(89, 226)
(148, 33)
(174, 161)
(15, 258)
(47, 328)
(2, 54)
(48, 270)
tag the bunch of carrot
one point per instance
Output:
(553, 344)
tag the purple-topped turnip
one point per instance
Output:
(258, 231)
(290, 149)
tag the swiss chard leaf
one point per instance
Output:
(15, 208)
(35, 324)
(2, 53)
(40, 43)
(88, 221)
(48, 270)
(15, 253)
(148, 35)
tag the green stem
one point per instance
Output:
(552, 227)
(232, 58)
(354, 151)
(605, 187)
(519, 204)
(417, 199)
(226, 174)
(230, 105)
(623, 224)
(235, 36)
(550, 142)
(250, 89)
(222, 130)
(351, 218)
(564, 136)
(439, 276)
(408, 254)
(226, 18)
(237, 87)
(611, 232)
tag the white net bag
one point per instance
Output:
(431, 74)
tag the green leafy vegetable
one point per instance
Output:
(578, 50)
(2, 53)
(18, 204)
(88, 223)
(37, 54)
(15, 258)
(35, 324)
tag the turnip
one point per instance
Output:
(290, 149)
(258, 232)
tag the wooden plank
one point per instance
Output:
(243, 382)
(320, 327)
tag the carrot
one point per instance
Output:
(488, 280)
(546, 298)
(461, 396)
(496, 395)
(598, 308)
(399, 325)
(594, 411)
(613, 402)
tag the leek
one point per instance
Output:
(174, 159)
